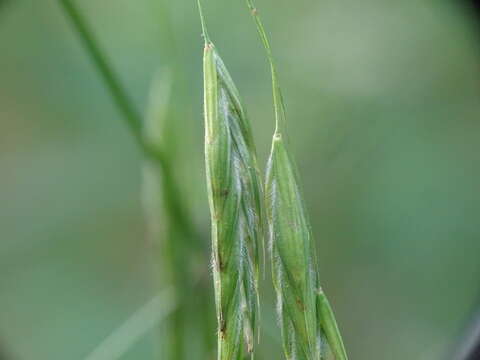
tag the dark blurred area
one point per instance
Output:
(383, 106)
(3, 3)
(475, 4)
(468, 347)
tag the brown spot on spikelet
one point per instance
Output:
(224, 193)
(221, 265)
(300, 304)
(223, 330)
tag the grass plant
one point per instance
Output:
(238, 214)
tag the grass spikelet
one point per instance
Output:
(235, 195)
(235, 198)
(293, 260)
(305, 315)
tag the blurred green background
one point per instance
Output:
(383, 106)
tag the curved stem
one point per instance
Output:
(279, 105)
(202, 19)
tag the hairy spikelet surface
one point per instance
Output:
(235, 198)
(308, 327)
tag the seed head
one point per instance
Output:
(235, 198)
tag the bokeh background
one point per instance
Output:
(383, 107)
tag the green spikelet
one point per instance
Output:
(293, 259)
(305, 315)
(308, 326)
(235, 198)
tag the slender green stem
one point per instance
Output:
(204, 25)
(132, 117)
(105, 69)
(182, 230)
(279, 106)
(110, 78)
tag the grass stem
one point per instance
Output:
(132, 118)
(119, 95)
(279, 105)
(202, 20)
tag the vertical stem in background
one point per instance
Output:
(182, 237)
(133, 120)
(163, 234)
(195, 313)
